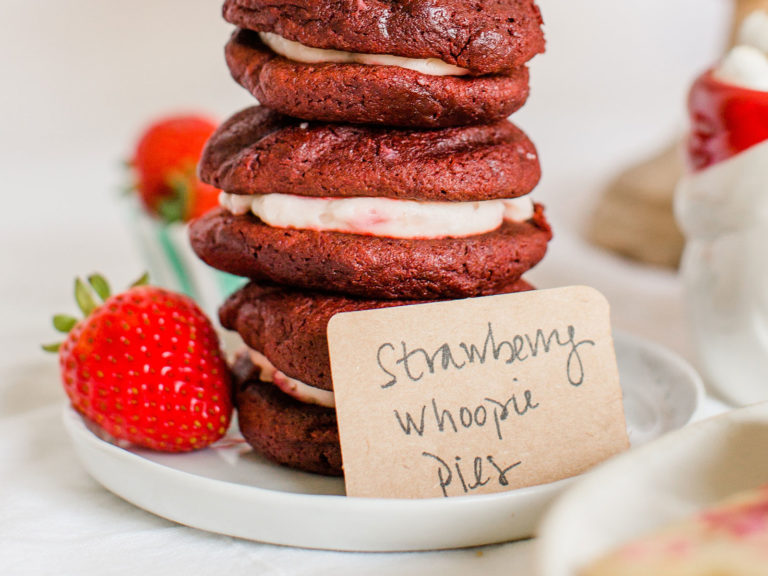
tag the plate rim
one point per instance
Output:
(672, 357)
(319, 504)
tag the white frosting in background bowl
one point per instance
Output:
(754, 31)
(385, 217)
(301, 53)
(746, 65)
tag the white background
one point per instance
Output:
(78, 80)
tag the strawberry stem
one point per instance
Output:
(54, 348)
(174, 207)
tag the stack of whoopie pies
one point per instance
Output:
(379, 171)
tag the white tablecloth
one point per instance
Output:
(80, 77)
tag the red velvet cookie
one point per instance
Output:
(484, 36)
(259, 151)
(302, 436)
(371, 266)
(289, 327)
(366, 94)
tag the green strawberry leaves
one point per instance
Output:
(175, 206)
(100, 286)
(86, 297)
(143, 281)
(64, 323)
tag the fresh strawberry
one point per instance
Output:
(146, 367)
(165, 164)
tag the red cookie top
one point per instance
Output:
(484, 36)
(258, 151)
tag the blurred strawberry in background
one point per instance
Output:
(165, 168)
(166, 194)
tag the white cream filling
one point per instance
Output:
(301, 53)
(386, 217)
(294, 388)
(746, 65)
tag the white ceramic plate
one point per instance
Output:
(646, 489)
(230, 490)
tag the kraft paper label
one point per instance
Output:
(476, 396)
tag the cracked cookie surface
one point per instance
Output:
(259, 151)
(484, 36)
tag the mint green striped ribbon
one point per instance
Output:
(226, 283)
(180, 271)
